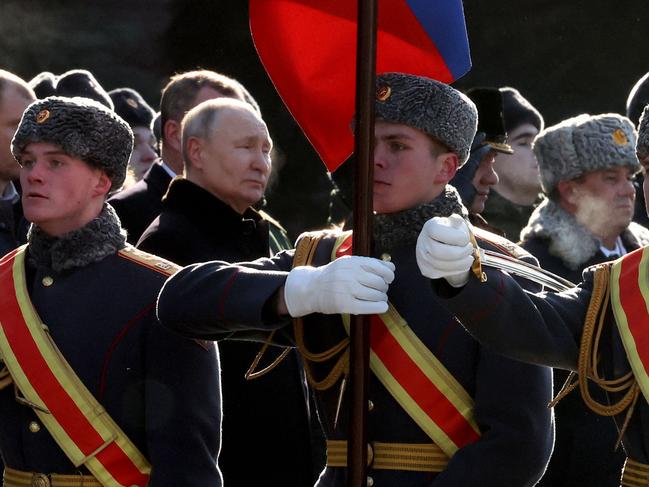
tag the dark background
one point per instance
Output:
(566, 57)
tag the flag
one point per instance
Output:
(308, 48)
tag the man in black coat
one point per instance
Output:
(208, 215)
(138, 205)
(597, 328)
(435, 416)
(102, 395)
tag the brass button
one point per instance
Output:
(386, 257)
(47, 281)
(34, 427)
(370, 405)
(370, 481)
(370, 455)
(40, 480)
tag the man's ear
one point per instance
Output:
(447, 169)
(194, 153)
(172, 134)
(567, 193)
(103, 184)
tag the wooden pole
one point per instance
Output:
(362, 243)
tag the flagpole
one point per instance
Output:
(362, 242)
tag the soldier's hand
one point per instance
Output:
(350, 284)
(444, 250)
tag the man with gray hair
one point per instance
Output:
(15, 95)
(435, 396)
(209, 215)
(587, 165)
(138, 205)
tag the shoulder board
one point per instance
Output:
(500, 243)
(151, 261)
(329, 233)
(271, 220)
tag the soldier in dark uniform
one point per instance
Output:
(597, 329)
(423, 132)
(136, 404)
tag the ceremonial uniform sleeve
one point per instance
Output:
(542, 328)
(214, 299)
(182, 410)
(517, 428)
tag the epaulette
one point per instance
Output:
(271, 220)
(320, 234)
(151, 261)
(501, 243)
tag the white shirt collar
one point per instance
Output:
(618, 251)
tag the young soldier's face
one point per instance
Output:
(483, 180)
(520, 169)
(409, 168)
(60, 193)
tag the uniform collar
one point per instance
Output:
(91, 243)
(393, 230)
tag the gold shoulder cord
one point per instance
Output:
(476, 267)
(588, 360)
(304, 254)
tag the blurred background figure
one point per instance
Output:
(475, 179)
(516, 194)
(587, 164)
(15, 96)
(130, 105)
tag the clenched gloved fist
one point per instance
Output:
(444, 250)
(350, 284)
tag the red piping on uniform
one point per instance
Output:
(224, 294)
(113, 346)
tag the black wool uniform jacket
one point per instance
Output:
(138, 205)
(546, 329)
(213, 299)
(162, 390)
(266, 436)
(598, 465)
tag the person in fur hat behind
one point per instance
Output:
(587, 164)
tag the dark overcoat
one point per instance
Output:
(265, 421)
(161, 389)
(546, 328)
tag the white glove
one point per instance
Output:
(350, 284)
(444, 250)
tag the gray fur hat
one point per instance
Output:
(435, 108)
(583, 144)
(642, 145)
(83, 128)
